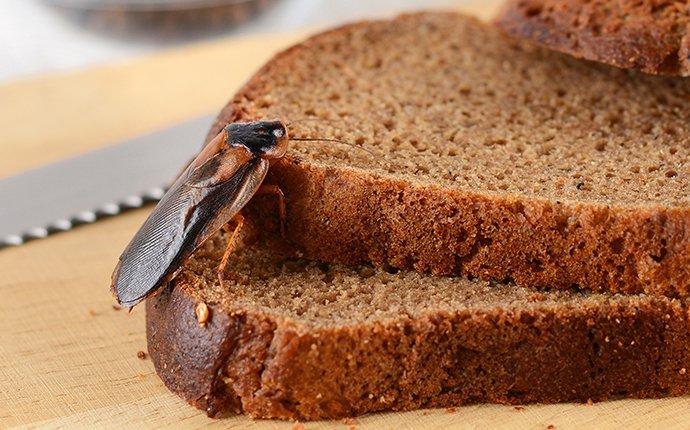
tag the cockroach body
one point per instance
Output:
(208, 194)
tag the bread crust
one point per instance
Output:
(353, 216)
(651, 36)
(251, 362)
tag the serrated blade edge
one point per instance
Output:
(101, 183)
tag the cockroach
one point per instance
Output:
(208, 194)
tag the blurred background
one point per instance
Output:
(43, 36)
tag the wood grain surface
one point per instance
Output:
(68, 358)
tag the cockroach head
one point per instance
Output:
(266, 139)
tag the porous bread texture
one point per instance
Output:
(267, 279)
(292, 339)
(486, 157)
(649, 35)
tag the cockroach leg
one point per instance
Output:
(276, 191)
(232, 244)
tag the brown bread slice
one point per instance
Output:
(292, 339)
(648, 35)
(489, 157)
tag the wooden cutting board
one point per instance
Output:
(67, 357)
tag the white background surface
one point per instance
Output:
(36, 39)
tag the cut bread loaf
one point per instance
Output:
(648, 35)
(292, 339)
(487, 157)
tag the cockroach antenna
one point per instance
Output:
(304, 139)
(342, 142)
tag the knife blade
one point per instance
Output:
(101, 183)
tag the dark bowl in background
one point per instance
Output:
(160, 19)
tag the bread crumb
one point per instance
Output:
(366, 272)
(683, 371)
(519, 408)
(298, 426)
(551, 427)
(141, 376)
(606, 339)
(141, 355)
(371, 396)
(348, 421)
(450, 410)
(590, 402)
(116, 307)
(425, 413)
(92, 313)
(201, 311)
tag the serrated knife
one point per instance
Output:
(103, 182)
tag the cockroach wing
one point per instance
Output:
(186, 216)
(220, 206)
